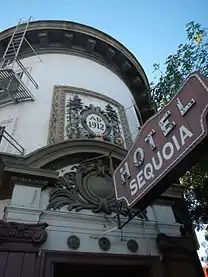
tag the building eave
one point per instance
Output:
(55, 36)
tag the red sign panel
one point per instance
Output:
(166, 146)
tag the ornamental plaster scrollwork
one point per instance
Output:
(23, 233)
(87, 186)
(76, 113)
(56, 123)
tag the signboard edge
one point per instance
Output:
(201, 137)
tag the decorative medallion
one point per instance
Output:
(23, 233)
(88, 186)
(104, 243)
(92, 122)
(96, 123)
(132, 246)
(78, 113)
(73, 242)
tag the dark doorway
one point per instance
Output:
(76, 269)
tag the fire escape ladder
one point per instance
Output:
(13, 48)
(12, 88)
(27, 73)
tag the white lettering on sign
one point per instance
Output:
(168, 154)
(148, 171)
(169, 149)
(125, 173)
(175, 141)
(165, 124)
(165, 143)
(138, 156)
(140, 179)
(184, 109)
(133, 186)
(157, 165)
(149, 139)
(184, 133)
(96, 124)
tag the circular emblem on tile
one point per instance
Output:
(73, 242)
(95, 123)
(132, 245)
(104, 243)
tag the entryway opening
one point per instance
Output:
(80, 269)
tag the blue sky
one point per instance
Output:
(150, 29)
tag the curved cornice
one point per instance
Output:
(46, 155)
(52, 36)
(80, 28)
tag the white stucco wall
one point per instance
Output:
(28, 122)
(31, 129)
(89, 226)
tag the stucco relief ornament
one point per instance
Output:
(89, 121)
(87, 186)
(23, 233)
(95, 122)
(73, 109)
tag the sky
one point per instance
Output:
(150, 29)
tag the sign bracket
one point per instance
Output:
(131, 215)
(169, 144)
(119, 204)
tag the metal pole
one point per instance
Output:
(111, 165)
(2, 130)
(33, 50)
(3, 134)
(21, 151)
(118, 215)
(93, 159)
(117, 204)
(132, 217)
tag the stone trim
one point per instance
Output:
(68, 219)
(52, 257)
(34, 234)
(107, 52)
(56, 123)
(28, 181)
(178, 247)
(57, 118)
(28, 175)
(43, 156)
(81, 28)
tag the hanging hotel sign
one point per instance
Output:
(168, 144)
